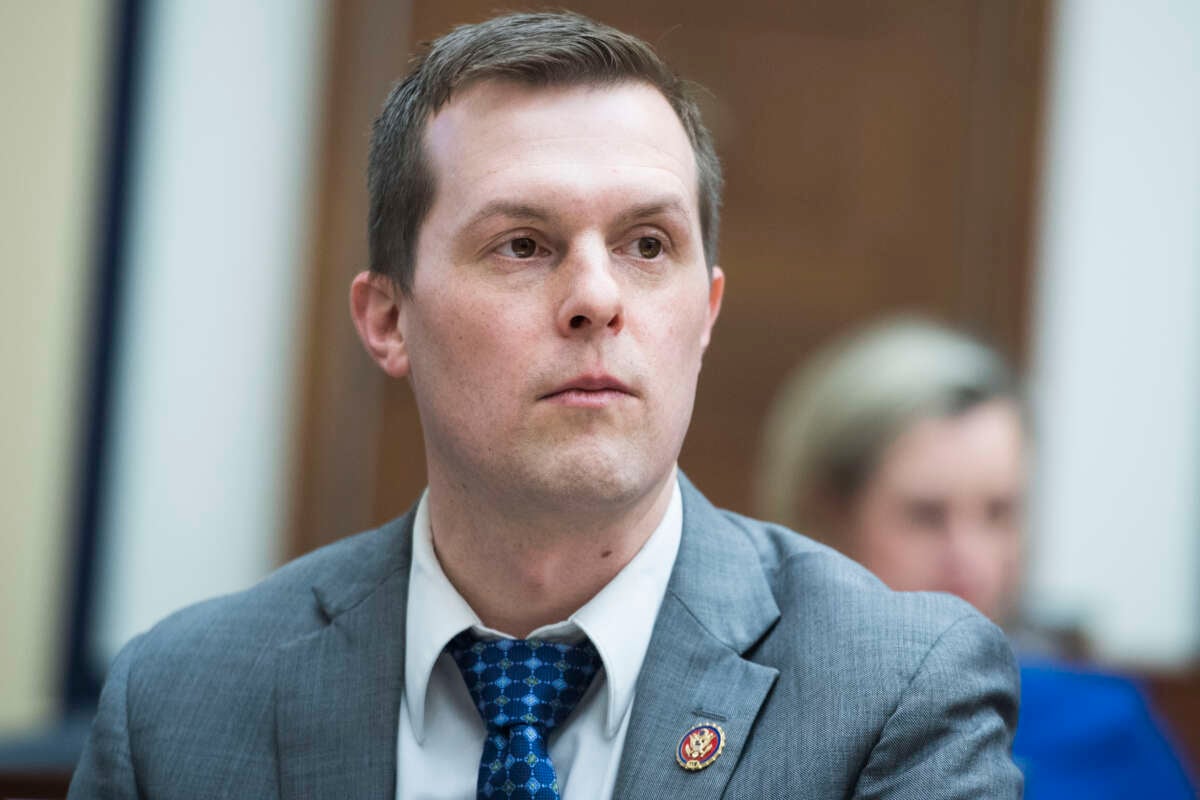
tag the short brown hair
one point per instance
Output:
(538, 49)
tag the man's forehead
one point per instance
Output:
(499, 125)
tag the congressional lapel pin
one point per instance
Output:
(700, 746)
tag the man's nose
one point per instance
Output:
(591, 299)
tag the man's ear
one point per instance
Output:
(716, 291)
(375, 306)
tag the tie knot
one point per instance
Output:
(524, 681)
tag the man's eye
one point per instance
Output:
(522, 247)
(649, 247)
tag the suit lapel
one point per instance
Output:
(718, 604)
(338, 689)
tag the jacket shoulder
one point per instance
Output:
(908, 690)
(830, 604)
(804, 570)
(225, 640)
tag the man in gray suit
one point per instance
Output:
(562, 615)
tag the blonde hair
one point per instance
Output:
(835, 415)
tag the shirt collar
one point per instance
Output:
(618, 620)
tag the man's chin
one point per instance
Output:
(590, 482)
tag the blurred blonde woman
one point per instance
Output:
(906, 446)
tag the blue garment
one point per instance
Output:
(524, 689)
(1084, 734)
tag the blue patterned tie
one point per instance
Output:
(523, 688)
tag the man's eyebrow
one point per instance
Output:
(668, 206)
(510, 209)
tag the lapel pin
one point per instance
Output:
(700, 746)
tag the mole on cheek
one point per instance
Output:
(606, 554)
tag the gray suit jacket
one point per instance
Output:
(826, 683)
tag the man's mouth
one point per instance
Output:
(592, 390)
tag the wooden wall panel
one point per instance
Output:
(1176, 696)
(879, 156)
(340, 392)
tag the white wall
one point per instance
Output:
(1117, 361)
(216, 252)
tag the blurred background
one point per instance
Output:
(186, 405)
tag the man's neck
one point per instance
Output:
(520, 572)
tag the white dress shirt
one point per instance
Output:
(440, 736)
